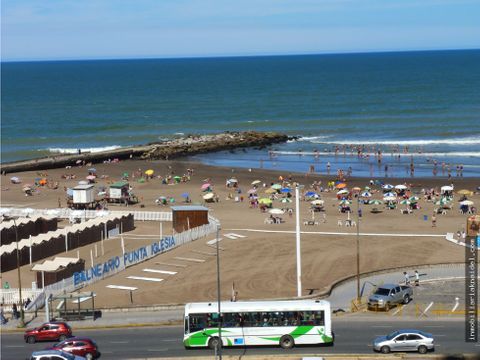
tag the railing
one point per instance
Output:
(65, 213)
(10, 296)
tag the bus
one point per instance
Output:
(250, 323)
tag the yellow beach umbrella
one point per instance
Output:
(270, 191)
(465, 192)
(149, 172)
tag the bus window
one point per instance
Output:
(319, 318)
(186, 325)
(197, 322)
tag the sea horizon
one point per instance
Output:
(425, 101)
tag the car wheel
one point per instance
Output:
(214, 342)
(31, 339)
(406, 299)
(89, 356)
(62, 338)
(422, 349)
(385, 349)
(286, 342)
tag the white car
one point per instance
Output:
(54, 355)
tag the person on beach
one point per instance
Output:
(434, 220)
(417, 278)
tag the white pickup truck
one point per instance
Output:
(388, 295)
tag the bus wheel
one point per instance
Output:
(286, 342)
(214, 342)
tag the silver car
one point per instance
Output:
(404, 340)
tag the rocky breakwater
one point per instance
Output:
(192, 144)
(189, 145)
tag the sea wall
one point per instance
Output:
(186, 146)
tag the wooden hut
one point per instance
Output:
(188, 217)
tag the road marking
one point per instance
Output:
(382, 326)
(14, 346)
(160, 271)
(170, 340)
(424, 313)
(204, 253)
(82, 299)
(434, 326)
(121, 287)
(189, 259)
(144, 278)
(119, 342)
(211, 242)
(170, 264)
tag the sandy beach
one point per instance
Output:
(261, 264)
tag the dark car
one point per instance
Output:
(51, 331)
(80, 346)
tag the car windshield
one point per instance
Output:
(392, 335)
(382, 291)
(68, 356)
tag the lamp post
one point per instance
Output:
(358, 248)
(297, 232)
(219, 344)
(22, 315)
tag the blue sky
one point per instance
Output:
(89, 29)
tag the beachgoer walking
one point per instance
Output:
(417, 278)
(434, 220)
(15, 311)
(407, 278)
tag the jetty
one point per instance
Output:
(175, 148)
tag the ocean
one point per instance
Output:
(423, 106)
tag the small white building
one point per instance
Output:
(83, 194)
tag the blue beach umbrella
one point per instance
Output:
(285, 190)
(310, 193)
(185, 195)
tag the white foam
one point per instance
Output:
(473, 140)
(387, 153)
(83, 150)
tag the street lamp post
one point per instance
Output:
(219, 344)
(22, 314)
(358, 248)
(297, 232)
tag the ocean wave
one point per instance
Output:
(313, 139)
(74, 151)
(385, 154)
(419, 142)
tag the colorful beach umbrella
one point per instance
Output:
(390, 194)
(342, 192)
(185, 195)
(466, 203)
(376, 202)
(285, 190)
(465, 192)
(265, 201)
(255, 182)
(357, 189)
(205, 187)
(252, 191)
(317, 202)
(286, 200)
(401, 187)
(276, 186)
(413, 199)
(405, 202)
(341, 185)
(208, 196)
(366, 194)
(387, 187)
(310, 194)
(149, 172)
(345, 202)
(442, 201)
(389, 198)
(270, 191)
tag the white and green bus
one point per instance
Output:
(250, 323)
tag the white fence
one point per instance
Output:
(11, 296)
(66, 213)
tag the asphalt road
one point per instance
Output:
(351, 336)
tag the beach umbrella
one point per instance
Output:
(466, 203)
(366, 194)
(342, 192)
(78, 162)
(27, 188)
(285, 190)
(345, 202)
(465, 192)
(413, 199)
(276, 186)
(205, 187)
(357, 189)
(341, 185)
(255, 182)
(389, 194)
(125, 175)
(208, 196)
(387, 187)
(442, 201)
(368, 188)
(177, 178)
(265, 201)
(162, 197)
(376, 202)
(43, 182)
(92, 170)
(401, 187)
(310, 194)
(276, 211)
(172, 200)
(91, 177)
(252, 191)
(149, 172)
(82, 182)
(389, 198)
(233, 180)
(446, 188)
(185, 195)
(270, 191)
(405, 202)
(286, 200)
(317, 202)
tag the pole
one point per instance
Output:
(103, 246)
(22, 314)
(297, 228)
(161, 230)
(30, 249)
(66, 240)
(219, 346)
(358, 248)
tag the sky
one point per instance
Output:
(104, 29)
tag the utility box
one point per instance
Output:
(118, 190)
(189, 216)
(83, 194)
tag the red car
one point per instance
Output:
(51, 331)
(79, 346)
